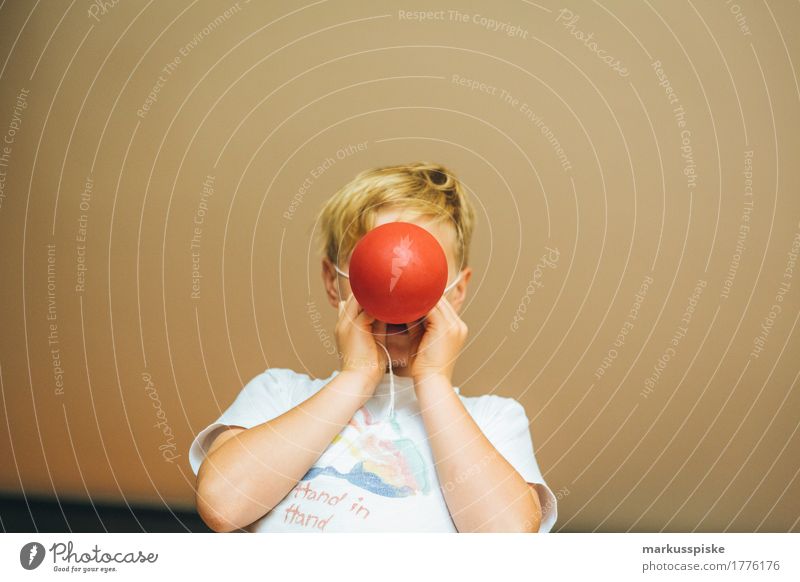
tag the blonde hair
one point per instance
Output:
(427, 188)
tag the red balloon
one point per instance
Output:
(398, 272)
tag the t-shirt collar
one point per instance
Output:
(402, 384)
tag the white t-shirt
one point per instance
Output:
(378, 474)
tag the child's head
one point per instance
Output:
(425, 194)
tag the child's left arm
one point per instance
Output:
(482, 490)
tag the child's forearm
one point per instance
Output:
(252, 472)
(482, 490)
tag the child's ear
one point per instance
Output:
(329, 279)
(458, 293)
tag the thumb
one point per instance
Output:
(416, 331)
(365, 321)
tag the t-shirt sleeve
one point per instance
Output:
(263, 398)
(505, 424)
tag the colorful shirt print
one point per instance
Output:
(387, 466)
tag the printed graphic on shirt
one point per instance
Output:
(387, 466)
(316, 516)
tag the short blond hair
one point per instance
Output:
(427, 188)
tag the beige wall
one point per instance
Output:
(259, 102)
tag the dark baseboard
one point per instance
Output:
(19, 515)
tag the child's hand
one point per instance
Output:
(357, 346)
(439, 344)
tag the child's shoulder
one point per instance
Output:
(284, 380)
(488, 405)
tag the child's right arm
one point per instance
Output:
(247, 472)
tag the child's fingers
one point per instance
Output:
(351, 308)
(364, 320)
(448, 309)
(437, 316)
(416, 331)
(416, 328)
(453, 320)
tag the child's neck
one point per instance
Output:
(403, 372)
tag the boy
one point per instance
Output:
(363, 450)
